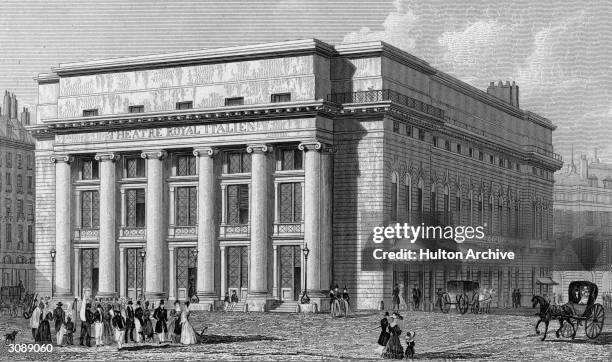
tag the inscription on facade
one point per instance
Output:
(186, 131)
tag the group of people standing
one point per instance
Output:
(516, 298)
(339, 303)
(389, 338)
(114, 321)
(417, 297)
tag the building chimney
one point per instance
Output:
(14, 108)
(584, 167)
(7, 104)
(25, 117)
(508, 93)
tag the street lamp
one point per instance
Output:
(304, 299)
(52, 252)
(143, 254)
(192, 286)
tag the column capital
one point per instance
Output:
(205, 151)
(315, 145)
(259, 148)
(154, 154)
(61, 158)
(106, 156)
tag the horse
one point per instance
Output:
(548, 312)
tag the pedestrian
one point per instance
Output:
(35, 320)
(45, 326)
(70, 329)
(395, 301)
(59, 318)
(416, 296)
(161, 328)
(129, 322)
(409, 345)
(108, 327)
(383, 338)
(345, 301)
(188, 334)
(226, 301)
(394, 349)
(234, 300)
(138, 322)
(174, 327)
(87, 318)
(99, 325)
(147, 329)
(518, 298)
(119, 326)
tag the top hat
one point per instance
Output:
(59, 304)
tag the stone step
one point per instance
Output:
(284, 307)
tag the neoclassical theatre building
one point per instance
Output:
(211, 171)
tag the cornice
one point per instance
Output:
(181, 118)
(256, 51)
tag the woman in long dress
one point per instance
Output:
(394, 349)
(175, 323)
(45, 326)
(188, 334)
(383, 338)
(107, 322)
(147, 328)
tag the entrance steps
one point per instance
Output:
(287, 306)
(239, 307)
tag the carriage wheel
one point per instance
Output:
(446, 303)
(462, 303)
(595, 321)
(475, 306)
(568, 329)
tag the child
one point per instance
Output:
(70, 328)
(409, 345)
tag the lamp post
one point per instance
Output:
(193, 292)
(52, 252)
(143, 254)
(304, 299)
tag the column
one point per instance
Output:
(77, 273)
(62, 225)
(123, 209)
(122, 273)
(317, 216)
(258, 256)
(206, 224)
(275, 292)
(155, 231)
(106, 266)
(223, 271)
(171, 200)
(172, 276)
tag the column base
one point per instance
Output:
(259, 301)
(155, 296)
(319, 298)
(106, 295)
(207, 300)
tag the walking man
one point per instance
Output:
(58, 316)
(35, 320)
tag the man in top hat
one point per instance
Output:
(59, 317)
(161, 327)
(87, 319)
(129, 322)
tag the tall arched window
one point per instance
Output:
(433, 199)
(470, 208)
(394, 194)
(480, 213)
(446, 206)
(490, 216)
(500, 215)
(420, 201)
(408, 187)
(458, 207)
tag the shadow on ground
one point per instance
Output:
(215, 339)
(605, 338)
(450, 355)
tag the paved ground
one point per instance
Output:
(259, 336)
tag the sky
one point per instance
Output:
(558, 52)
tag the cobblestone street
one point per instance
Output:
(259, 336)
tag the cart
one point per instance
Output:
(461, 293)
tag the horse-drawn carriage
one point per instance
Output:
(580, 309)
(12, 298)
(464, 294)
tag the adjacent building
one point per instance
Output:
(583, 225)
(211, 171)
(16, 195)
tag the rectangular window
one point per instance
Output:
(30, 184)
(280, 97)
(480, 156)
(9, 233)
(20, 233)
(491, 159)
(432, 201)
(447, 145)
(90, 209)
(291, 159)
(238, 162)
(234, 101)
(290, 202)
(30, 234)
(421, 135)
(136, 208)
(434, 141)
(458, 148)
(501, 162)
(186, 206)
(135, 167)
(89, 169)
(19, 160)
(20, 214)
(8, 203)
(238, 204)
(9, 179)
(471, 152)
(408, 130)
(90, 112)
(30, 215)
(394, 201)
(136, 109)
(184, 105)
(9, 160)
(518, 166)
(185, 165)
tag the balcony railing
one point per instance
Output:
(132, 232)
(182, 231)
(235, 230)
(86, 234)
(289, 229)
(543, 152)
(380, 95)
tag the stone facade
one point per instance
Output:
(583, 225)
(16, 195)
(296, 144)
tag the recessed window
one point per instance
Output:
(185, 165)
(480, 155)
(421, 135)
(501, 162)
(518, 167)
(458, 148)
(136, 109)
(184, 105)
(89, 169)
(447, 145)
(90, 112)
(280, 97)
(235, 101)
(134, 167)
(434, 141)
(291, 159)
(491, 159)
(409, 130)
(396, 127)
(238, 204)
(238, 162)
(471, 152)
